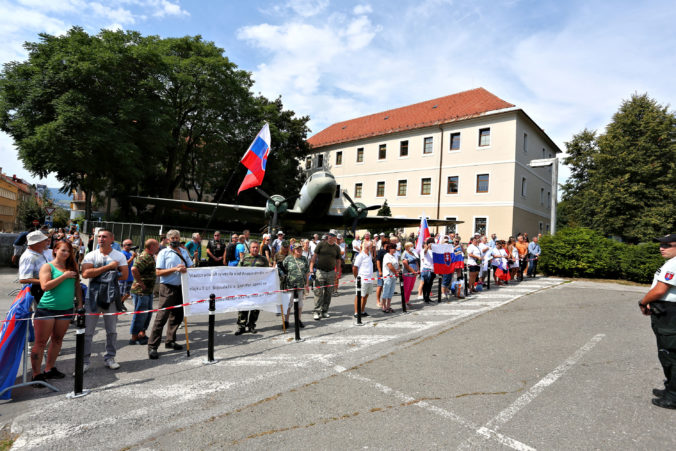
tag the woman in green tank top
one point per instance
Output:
(60, 279)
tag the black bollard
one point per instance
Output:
(212, 323)
(296, 314)
(465, 276)
(403, 296)
(78, 389)
(358, 301)
(488, 278)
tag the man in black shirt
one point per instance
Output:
(230, 251)
(326, 258)
(215, 250)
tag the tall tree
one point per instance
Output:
(624, 180)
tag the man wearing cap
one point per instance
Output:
(32, 260)
(325, 259)
(660, 304)
(277, 243)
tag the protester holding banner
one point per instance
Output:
(297, 269)
(171, 262)
(60, 281)
(390, 274)
(246, 319)
(105, 266)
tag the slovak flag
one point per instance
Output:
(255, 158)
(423, 234)
(446, 259)
(12, 336)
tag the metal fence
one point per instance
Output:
(139, 232)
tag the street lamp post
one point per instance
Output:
(554, 163)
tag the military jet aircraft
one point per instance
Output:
(309, 213)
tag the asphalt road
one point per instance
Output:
(544, 364)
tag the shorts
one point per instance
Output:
(380, 279)
(388, 288)
(366, 288)
(45, 312)
(446, 280)
(474, 268)
(125, 287)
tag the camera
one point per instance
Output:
(134, 248)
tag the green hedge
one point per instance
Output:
(581, 252)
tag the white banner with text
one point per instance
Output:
(238, 287)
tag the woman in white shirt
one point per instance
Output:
(426, 270)
(390, 273)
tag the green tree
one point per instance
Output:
(623, 182)
(385, 210)
(30, 210)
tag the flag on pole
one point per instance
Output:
(255, 159)
(446, 259)
(12, 337)
(423, 234)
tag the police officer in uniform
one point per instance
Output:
(660, 304)
(248, 318)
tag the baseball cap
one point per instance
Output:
(279, 232)
(664, 239)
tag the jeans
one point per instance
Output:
(428, 279)
(141, 321)
(110, 322)
(533, 265)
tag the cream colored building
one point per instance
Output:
(463, 156)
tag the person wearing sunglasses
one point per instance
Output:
(660, 304)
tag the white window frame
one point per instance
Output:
(341, 157)
(450, 141)
(363, 155)
(454, 194)
(455, 226)
(421, 185)
(384, 187)
(382, 159)
(402, 195)
(408, 146)
(423, 146)
(474, 218)
(361, 194)
(308, 163)
(490, 176)
(490, 138)
(320, 156)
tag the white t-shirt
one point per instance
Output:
(667, 274)
(472, 250)
(356, 245)
(428, 260)
(98, 259)
(365, 264)
(389, 258)
(313, 245)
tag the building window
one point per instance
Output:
(339, 158)
(543, 153)
(542, 196)
(524, 186)
(451, 228)
(549, 198)
(357, 190)
(427, 147)
(401, 188)
(525, 142)
(320, 161)
(426, 186)
(308, 163)
(337, 195)
(455, 141)
(540, 226)
(484, 137)
(452, 187)
(382, 151)
(403, 149)
(480, 225)
(482, 183)
(380, 189)
(360, 155)
(547, 228)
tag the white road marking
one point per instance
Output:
(525, 399)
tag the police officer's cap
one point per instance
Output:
(667, 238)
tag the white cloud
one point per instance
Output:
(307, 8)
(120, 15)
(362, 9)
(168, 8)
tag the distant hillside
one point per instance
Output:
(60, 199)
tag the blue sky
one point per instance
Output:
(568, 64)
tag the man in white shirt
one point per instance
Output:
(473, 261)
(313, 243)
(356, 246)
(363, 267)
(101, 265)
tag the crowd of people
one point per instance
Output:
(55, 262)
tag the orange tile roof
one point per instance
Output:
(462, 105)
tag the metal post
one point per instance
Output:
(488, 278)
(358, 302)
(439, 289)
(555, 185)
(212, 322)
(403, 295)
(78, 391)
(143, 235)
(296, 314)
(466, 279)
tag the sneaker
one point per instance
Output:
(85, 368)
(325, 315)
(153, 354)
(39, 378)
(364, 314)
(420, 297)
(317, 316)
(54, 374)
(112, 364)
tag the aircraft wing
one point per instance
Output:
(244, 214)
(388, 222)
